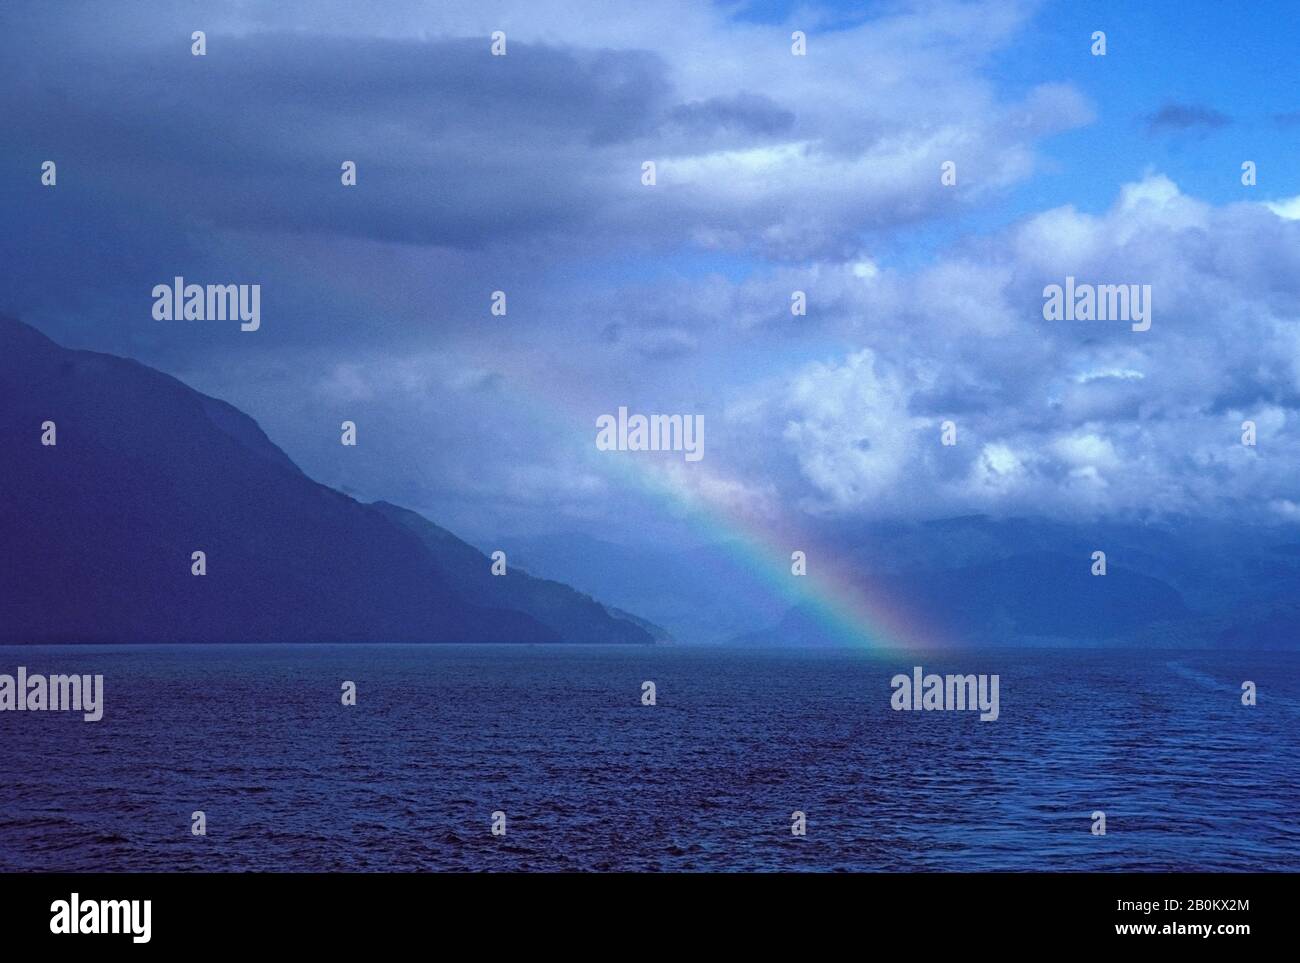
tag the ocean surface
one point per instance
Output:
(556, 737)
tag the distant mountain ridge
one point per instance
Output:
(974, 580)
(1038, 596)
(469, 571)
(97, 530)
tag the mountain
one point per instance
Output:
(97, 531)
(1181, 582)
(1034, 597)
(468, 571)
(1015, 581)
(704, 594)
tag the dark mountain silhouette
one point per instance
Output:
(468, 571)
(97, 531)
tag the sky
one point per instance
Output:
(775, 173)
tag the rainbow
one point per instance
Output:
(853, 612)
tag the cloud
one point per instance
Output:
(665, 344)
(1058, 418)
(1288, 208)
(458, 148)
(1173, 118)
(849, 431)
(775, 174)
(742, 113)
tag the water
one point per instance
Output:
(556, 737)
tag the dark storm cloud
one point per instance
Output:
(453, 146)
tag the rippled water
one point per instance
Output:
(590, 779)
